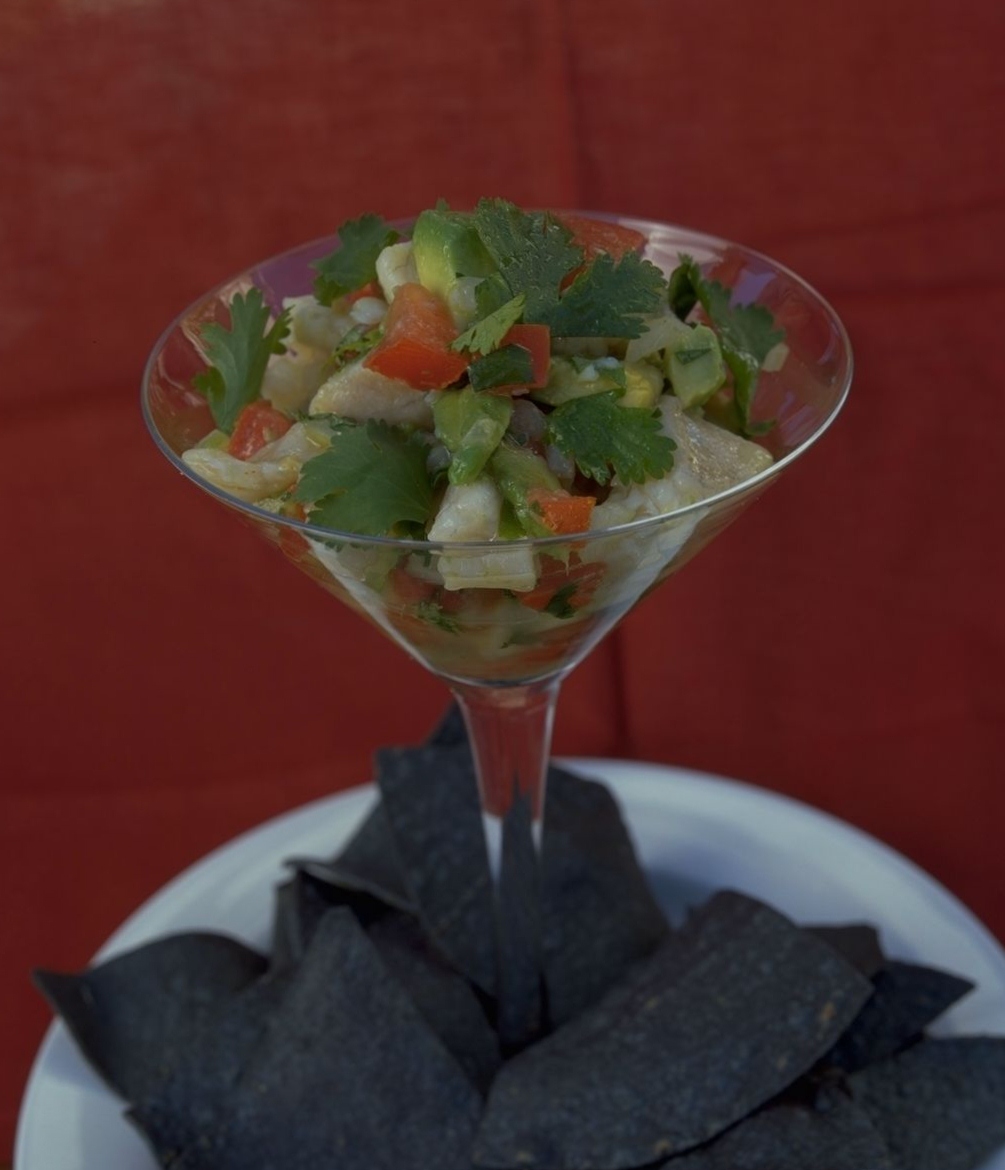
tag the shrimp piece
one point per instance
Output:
(315, 325)
(292, 379)
(359, 394)
(242, 478)
(302, 441)
(395, 267)
(470, 512)
(368, 311)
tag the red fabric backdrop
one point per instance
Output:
(159, 667)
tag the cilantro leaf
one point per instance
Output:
(745, 371)
(370, 480)
(608, 299)
(487, 334)
(510, 366)
(560, 606)
(491, 294)
(238, 356)
(429, 611)
(532, 250)
(746, 329)
(354, 345)
(353, 263)
(602, 436)
(747, 333)
(682, 287)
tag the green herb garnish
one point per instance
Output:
(353, 264)
(608, 299)
(746, 333)
(372, 480)
(487, 334)
(356, 344)
(429, 611)
(604, 438)
(533, 251)
(238, 356)
(510, 366)
(560, 606)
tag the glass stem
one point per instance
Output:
(510, 733)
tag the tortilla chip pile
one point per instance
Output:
(367, 1037)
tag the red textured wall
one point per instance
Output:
(844, 643)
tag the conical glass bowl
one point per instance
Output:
(504, 650)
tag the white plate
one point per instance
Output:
(694, 833)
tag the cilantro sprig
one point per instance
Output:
(354, 345)
(533, 252)
(560, 605)
(604, 438)
(238, 356)
(353, 264)
(510, 366)
(372, 481)
(746, 333)
(487, 334)
(536, 257)
(608, 299)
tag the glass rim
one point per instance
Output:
(418, 545)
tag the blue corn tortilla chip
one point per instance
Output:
(136, 1017)
(347, 1074)
(907, 999)
(599, 915)
(940, 1105)
(368, 863)
(190, 1100)
(722, 1018)
(285, 951)
(445, 999)
(855, 941)
(189, 1103)
(831, 1134)
(300, 905)
(430, 797)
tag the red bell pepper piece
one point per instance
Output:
(596, 235)
(415, 348)
(536, 339)
(372, 289)
(563, 513)
(576, 580)
(258, 423)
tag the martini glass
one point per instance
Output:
(502, 652)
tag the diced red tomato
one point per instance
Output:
(291, 542)
(563, 513)
(409, 589)
(415, 348)
(596, 235)
(452, 601)
(579, 579)
(536, 339)
(259, 423)
(372, 289)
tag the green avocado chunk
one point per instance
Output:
(446, 247)
(570, 378)
(471, 427)
(518, 472)
(694, 365)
